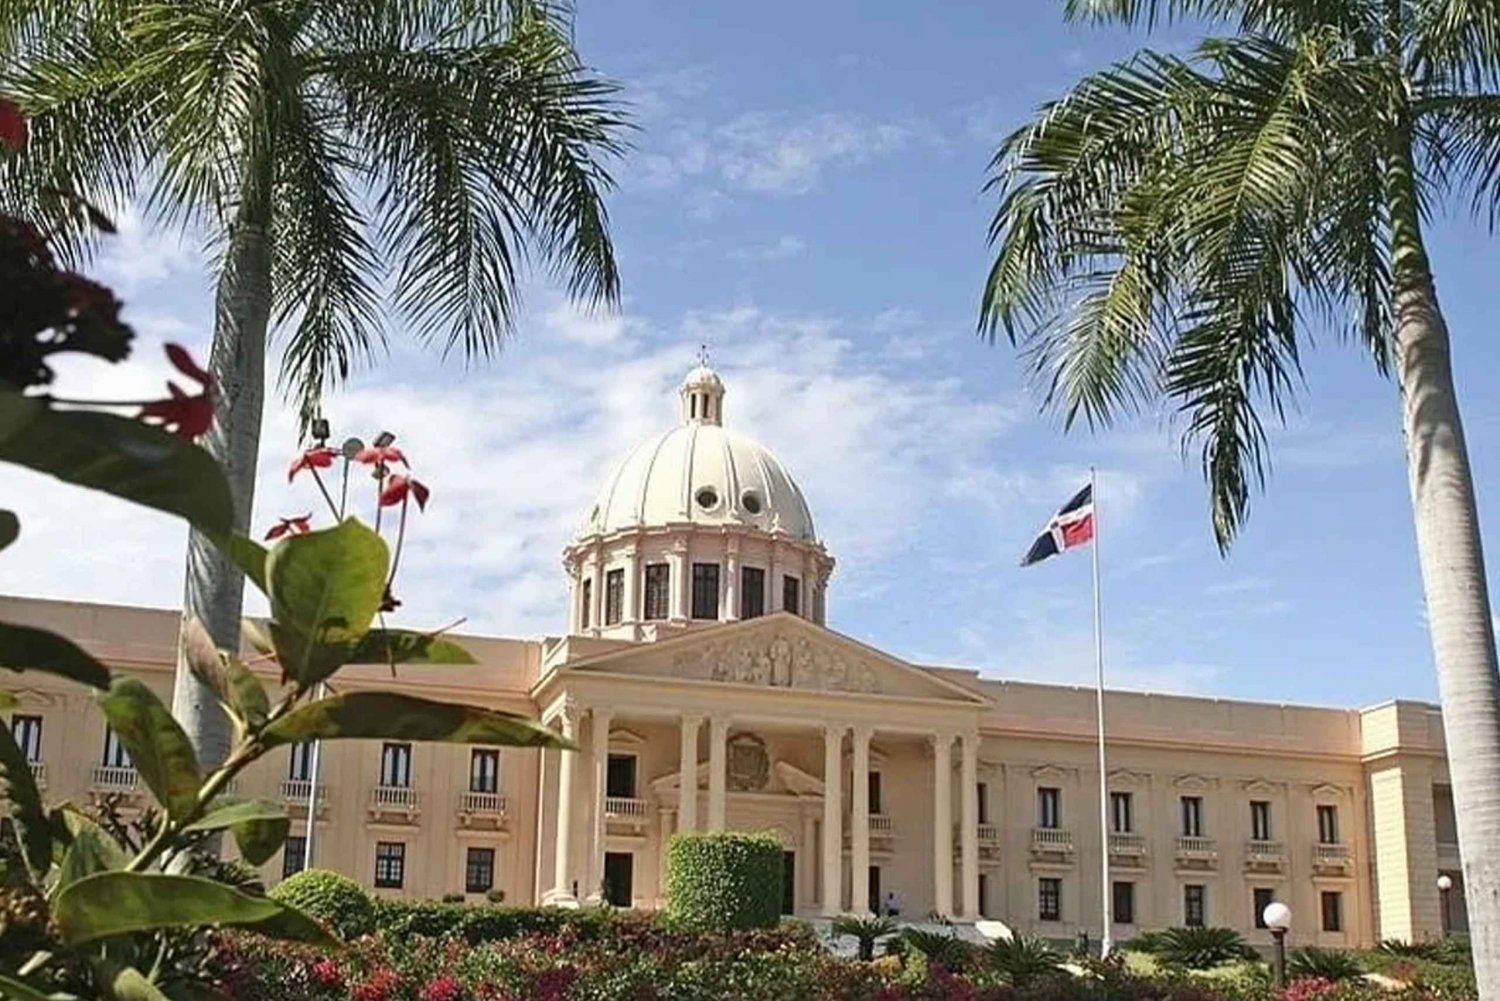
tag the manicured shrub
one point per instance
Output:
(331, 897)
(1330, 964)
(938, 948)
(1201, 948)
(724, 881)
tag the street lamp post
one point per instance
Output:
(1444, 884)
(1278, 918)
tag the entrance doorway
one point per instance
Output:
(788, 882)
(874, 902)
(619, 878)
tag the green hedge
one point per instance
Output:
(482, 922)
(331, 897)
(724, 881)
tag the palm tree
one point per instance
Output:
(1174, 227)
(338, 152)
(865, 929)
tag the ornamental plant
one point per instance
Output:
(86, 913)
(724, 880)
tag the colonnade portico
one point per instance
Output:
(825, 844)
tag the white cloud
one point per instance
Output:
(141, 254)
(777, 250)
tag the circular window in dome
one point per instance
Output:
(707, 498)
(750, 501)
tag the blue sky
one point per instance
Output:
(805, 196)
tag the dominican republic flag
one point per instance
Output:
(1072, 525)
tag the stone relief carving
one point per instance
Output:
(749, 765)
(778, 662)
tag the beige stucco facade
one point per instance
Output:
(720, 701)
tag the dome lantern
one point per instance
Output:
(702, 395)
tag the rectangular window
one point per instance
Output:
(705, 590)
(1328, 824)
(1193, 909)
(484, 770)
(395, 765)
(619, 776)
(791, 595)
(1264, 896)
(984, 894)
(1192, 816)
(614, 597)
(1260, 820)
(876, 806)
(586, 604)
(479, 870)
(1122, 813)
(293, 855)
(1122, 900)
(1049, 899)
(1048, 807)
(28, 733)
(115, 755)
(390, 864)
(299, 767)
(752, 592)
(1333, 910)
(658, 591)
(982, 791)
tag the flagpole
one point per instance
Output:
(1104, 887)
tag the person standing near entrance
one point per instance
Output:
(891, 906)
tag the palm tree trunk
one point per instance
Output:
(215, 586)
(1453, 578)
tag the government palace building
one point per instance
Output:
(705, 693)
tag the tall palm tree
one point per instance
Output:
(341, 154)
(1173, 228)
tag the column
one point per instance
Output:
(596, 614)
(600, 750)
(775, 598)
(677, 560)
(833, 808)
(562, 887)
(718, 731)
(942, 824)
(729, 611)
(969, 817)
(687, 792)
(807, 860)
(631, 613)
(859, 824)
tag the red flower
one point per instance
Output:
(12, 125)
(326, 973)
(398, 487)
(440, 988)
(380, 455)
(295, 525)
(313, 458)
(181, 414)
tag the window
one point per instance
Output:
(390, 864)
(1192, 816)
(115, 755)
(395, 765)
(586, 604)
(484, 770)
(619, 776)
(293, 855)
(752, 592)
(1048, 807)
(791, 595)
(984, 895)
(982, 791)
(1260, 820)
(299, 768)
(658, 591)
(28, 733)
(875, 804)
(705, 590)
(1328, 824)
(1192, 905)
(1264, 896)
(1049, 899)
(1333, 910)
(614, 596)
(1122, 814)
(479, 870)
(1122, 903)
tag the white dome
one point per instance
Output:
(701, 473)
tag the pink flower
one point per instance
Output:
(441, 988)
(295, 525)
(397, 489)
(183, 415)
(326, 973)
(313, 458)
(1307, 988)
(380, 455)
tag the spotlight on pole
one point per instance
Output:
(384, 439)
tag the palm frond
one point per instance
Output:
(1456, 42)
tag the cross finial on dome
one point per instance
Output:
(703, 356)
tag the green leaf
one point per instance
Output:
(117, 455)
(325, 588)
(124, 983)
(259, 826)
(389, 716)
(234, 683)
(92, 851)
(23, 648)
(119, 903)
(18, 990)
(246, 694)
(160, 751)
(245, 553)
(10, 528)
(403, 646)
(23, 804)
